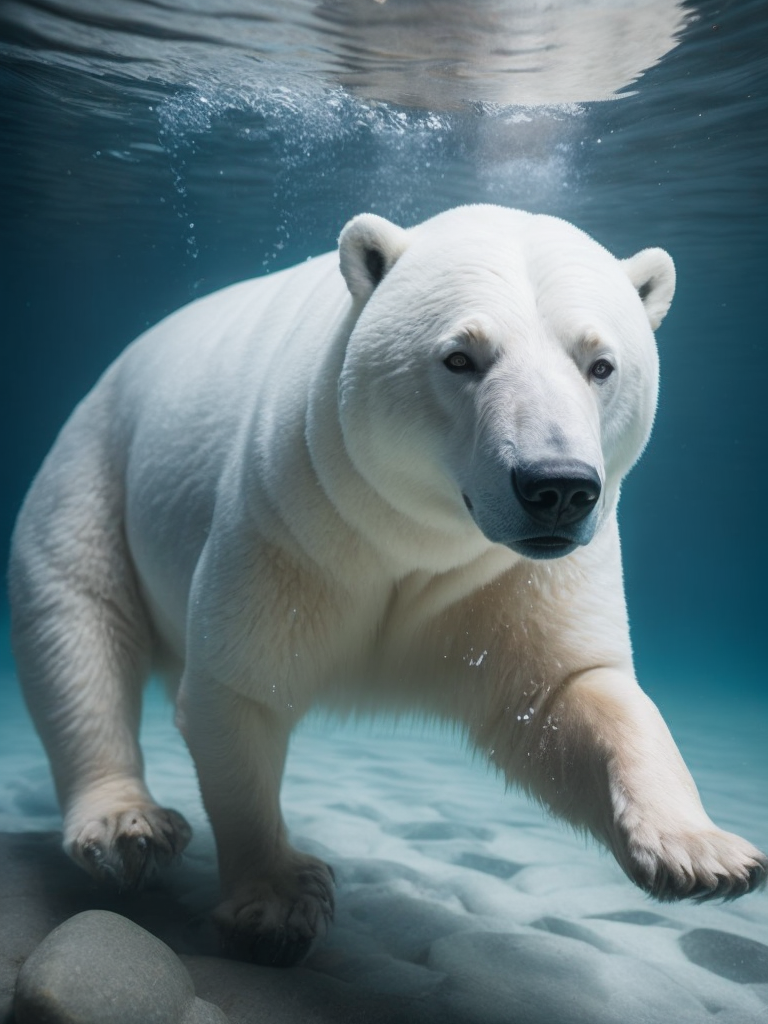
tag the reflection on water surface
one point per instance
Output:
(420, 53)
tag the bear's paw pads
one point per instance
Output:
(128, 847)
(701, 865)
(279, 920)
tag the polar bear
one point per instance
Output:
(393, 486)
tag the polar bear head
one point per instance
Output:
(502, 371)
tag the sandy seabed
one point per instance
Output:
(457, 902)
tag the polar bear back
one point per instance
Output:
(218, 357)
(171, 416)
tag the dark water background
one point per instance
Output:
(127, 190)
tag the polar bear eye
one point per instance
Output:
(601, 369)
(459, 362)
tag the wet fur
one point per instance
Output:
(262, 498)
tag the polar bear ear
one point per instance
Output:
(369, 246)
(652, 272)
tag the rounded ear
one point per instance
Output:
(652, 272)
(369, 246)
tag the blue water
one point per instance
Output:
(151, 154)
(124, 195)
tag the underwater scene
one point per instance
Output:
(154, 151)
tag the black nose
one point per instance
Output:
(557, 493)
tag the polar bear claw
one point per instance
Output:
(700, 865)
(279, 920)
(128, 848)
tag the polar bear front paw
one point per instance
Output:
(277, 920)
(127, 847)
(698, 864)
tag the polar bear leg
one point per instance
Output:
(82, 667)
(606, 761)
(82, 675)
(82, 649)
(276, 900)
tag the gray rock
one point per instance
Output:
(41, 888)
(99, 967)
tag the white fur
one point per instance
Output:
(264, 498)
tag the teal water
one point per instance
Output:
(129, 187)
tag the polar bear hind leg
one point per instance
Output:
(83, 651)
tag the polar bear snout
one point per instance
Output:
(555, 493)
(558, 500)
(541, 509)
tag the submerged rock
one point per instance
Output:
(98, 967)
